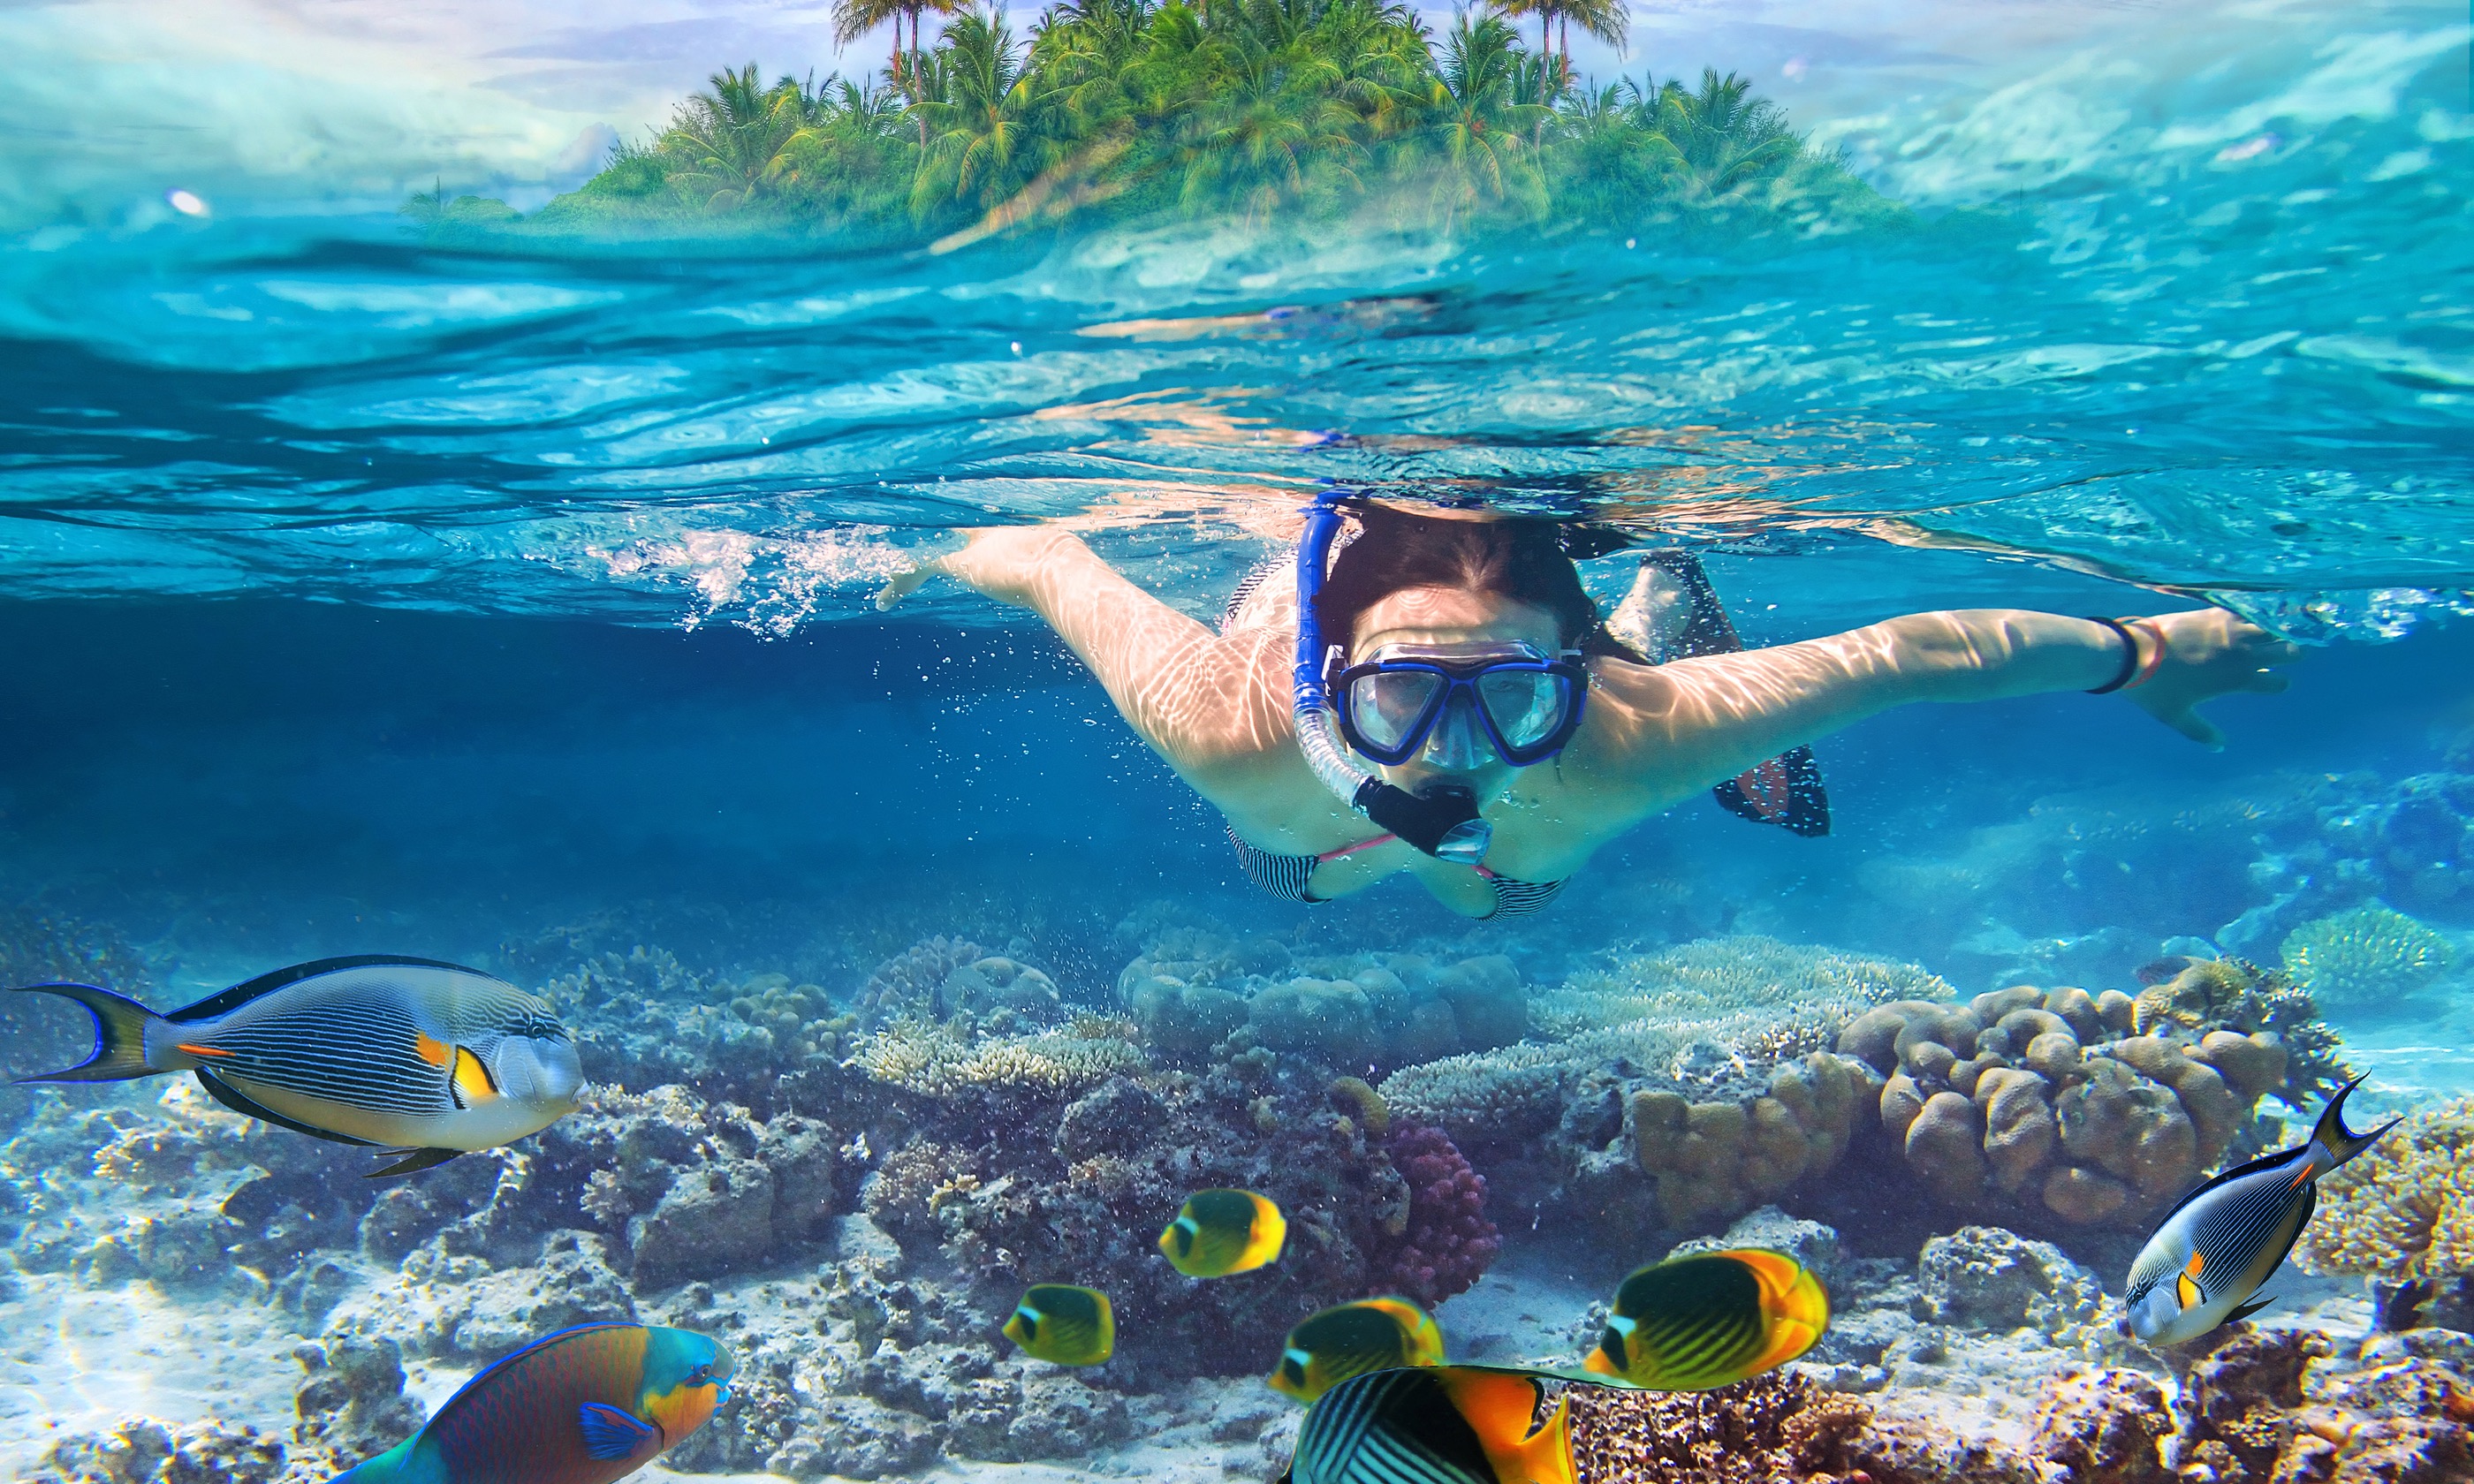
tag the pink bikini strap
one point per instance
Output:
(1351, 849)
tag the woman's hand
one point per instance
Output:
(2208, 653)
(1002, 562)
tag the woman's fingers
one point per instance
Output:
(2199, 728)
(2267, 683)
(904, 585)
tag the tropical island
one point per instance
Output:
(1141, 111)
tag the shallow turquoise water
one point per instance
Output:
(508, 602)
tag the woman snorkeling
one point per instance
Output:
(1435, 692)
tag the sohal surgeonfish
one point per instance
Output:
(1061, 1323)
(1218, 1232)
(2214, 1249)
(586, 1406)
(1710, 1319)
(1442, 1424)
(423, 1059)
(1352, 1339)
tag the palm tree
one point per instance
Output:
(1482, 121)
(1724, 134)
(855, 19)
(731, 137)
(980, 145)
(1608, 20)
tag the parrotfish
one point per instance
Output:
(1218, 1232)
(2223, 1240)
(1438, 1425)
(1710, 1319)
(423, 1059)
(1064, 1324)
(584, 1405)
(1350, 1339)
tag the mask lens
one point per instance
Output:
(1387, 707)
(1526, 706)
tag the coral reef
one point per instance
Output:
(1079, 1194)
(1195, 993)
(906, 985)
(642, 1019)
(1674, 1089)
(1773, 1428)
(143, 1450)
(2366, 961)
(1446, 1243)
(1988, 1278)
(951, 1060)
(2049, 1101)
(2402, 1209)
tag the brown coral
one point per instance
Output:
(2039, 1091)
(1718, 1159)
(1774, 1428)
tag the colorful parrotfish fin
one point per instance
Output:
(242, 1103)
(410, 1161)
(2243, 1312)
(119, 1034)
(1786, 790)
(224, 1001)
(612, 1434)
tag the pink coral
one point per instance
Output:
(1447, 1244)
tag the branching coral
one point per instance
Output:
(2403, 1208)
(2365, 959)
(944, 1062)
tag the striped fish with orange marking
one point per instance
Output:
(424, 1059)
(2222, 1241)
(1710, 1319)
(587, 1405)
(1434, 1424)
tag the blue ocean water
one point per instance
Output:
(363, 592)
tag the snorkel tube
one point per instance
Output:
(1443, 821)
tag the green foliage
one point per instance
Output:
(1145, 110)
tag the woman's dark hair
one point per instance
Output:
(1518, 557)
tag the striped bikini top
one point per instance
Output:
(1285, 877)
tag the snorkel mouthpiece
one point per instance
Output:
(1440, 818)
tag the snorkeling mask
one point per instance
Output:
(1446, 703)
(1527, 705)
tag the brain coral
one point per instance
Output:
(2404, 1208)
(2366, 959)
(2042, 1098)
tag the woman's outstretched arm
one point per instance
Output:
(1200, 699)
(1657, 736)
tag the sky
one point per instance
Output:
(341, 103)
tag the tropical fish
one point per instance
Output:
(582, 1406)
(1218, 1232)
(1710, 1319)
(1438, 1424)
(1350, 1339)
(1063, 1323)
(424, 1059)
(2224, 1239)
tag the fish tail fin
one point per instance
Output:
(119, 1034)
(2342, 1142)
(1547, 1453)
